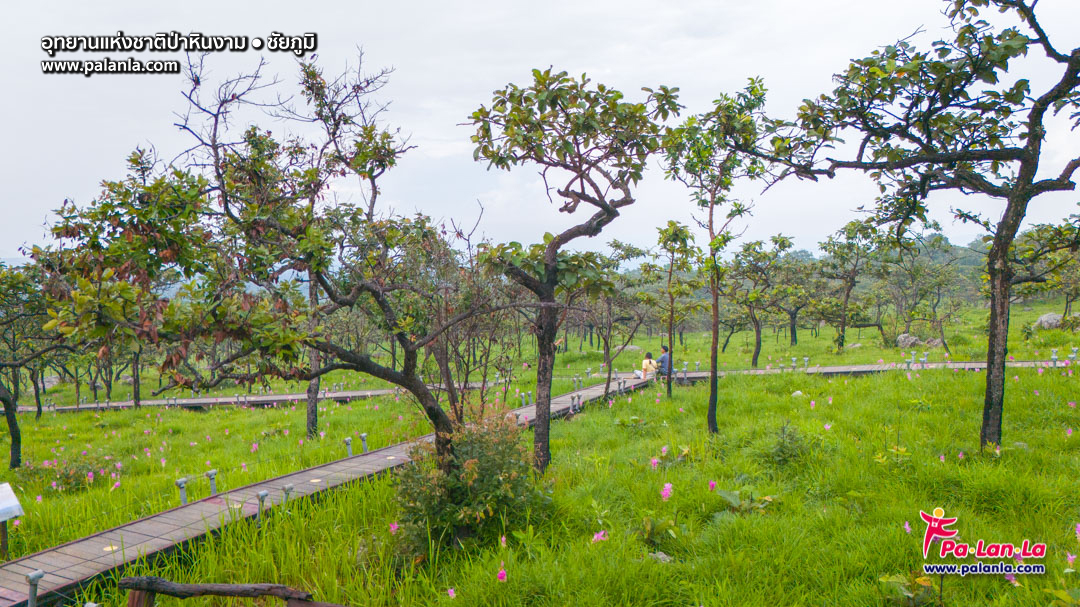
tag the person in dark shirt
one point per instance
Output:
(664, 362)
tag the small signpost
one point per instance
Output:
(9, 508)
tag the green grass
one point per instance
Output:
(834, 526)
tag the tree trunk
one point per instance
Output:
(793, 326)
(312, 419)
(997, 346)
(10, 410)
(757, 339)
(713, 354)
(728, 339)
(136, 377)
(547, 332)
(37, 391)
(671, 339)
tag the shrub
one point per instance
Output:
(789, 446)
(487, 484)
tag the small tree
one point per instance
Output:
(673, 268)
(754, 272)
(596, 145)
(846, 257)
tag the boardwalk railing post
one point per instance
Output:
(287, 489)
(523, 403)
(363, 441)
(212, 475)
(262, 499)
(806, 362)
(32, 579)
(348, 445)
(697, 365)
(531, 400)
(1053, 356)
(684, 371)
(182, 484)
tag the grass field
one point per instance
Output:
(822, 513)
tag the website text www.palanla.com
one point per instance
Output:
(981, 568)
(109, 66)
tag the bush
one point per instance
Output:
(489, 484)
(789, 446)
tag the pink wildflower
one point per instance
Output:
(1070, 558)
(828, 426)
(665, 493)
(450, 592)
(907, 526)
(960, 455)
(599, 536)
(712, 485)
(1010, 577)
(39, 499)
(393, 528)
(502, 573)
(654, 462)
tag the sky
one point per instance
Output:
(64, 134)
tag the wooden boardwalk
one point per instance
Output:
(69, 566)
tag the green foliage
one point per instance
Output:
(911, 590)
(486, 485)
(789, 445)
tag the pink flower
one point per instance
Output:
(39, 499)
(301, 442)
(163, 462)
(712, 485)
(1010, 577)
(285, 432)
(663, 450)
(654, 462)
(1072, 404)
(502, 541)
(813, 404)
(90, 477)
(393, 528)
(254, 447)
(665, 493)
(1078, 532)
(1037, 392)
(1040, 371)
(243, 466)
(16, 522)
(119, 465)
(942, 457)
(450, 592)
(907, 526)
(681, 410)
(1068, 432)
(828, 426)
(960, 455)
(207, 463)
(599, 536)
(1070, 558)
(116, 485)
(502, 573)
(830, 400)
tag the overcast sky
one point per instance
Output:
(64, 134)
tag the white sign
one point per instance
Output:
(9, 504)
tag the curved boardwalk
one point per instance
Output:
(70, 566)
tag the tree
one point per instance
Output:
(753, 269)
(949, 119)
(796, 281)
(244, 220)
(673, 267)
(702, 154)
(25, 337)
(846, 256)
(596, 145)
(615, 313)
